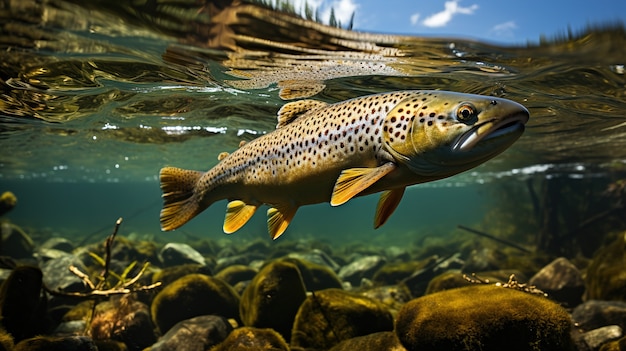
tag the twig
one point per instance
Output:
(489, 236)
(107, 257)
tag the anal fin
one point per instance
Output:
(354, 180)
(278, 220)
(387, 203)
(237, 214)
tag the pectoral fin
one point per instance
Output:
(354, 180)
(237, 214)
(387, 203)
(278, 220)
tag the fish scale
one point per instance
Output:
(333, 152)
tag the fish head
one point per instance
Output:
(439, 134)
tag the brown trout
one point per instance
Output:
(333, 152)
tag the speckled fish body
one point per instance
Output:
(333, 152)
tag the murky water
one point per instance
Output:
(97, 94)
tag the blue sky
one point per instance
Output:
(501, 21)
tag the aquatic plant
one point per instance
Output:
(102, 288)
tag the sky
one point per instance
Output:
(500, 21)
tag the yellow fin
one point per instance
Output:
(237, 214)
(179, 203)
(387, 203)
(278, 220)
(354, 180)
(292, 110)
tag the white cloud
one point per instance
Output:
(451, 8)
(504, 29)
(343, 10)
(415, 18)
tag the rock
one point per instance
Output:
(394, 273)
(273, 297)
(364, 267)
(483, 317)
(191, 296)
(454, 279)
(315, 276)
(235, 274)
(330, 316)
(64, 343)
(316, 256)
(57, 277)
(561, 280)
(386, 340)
(68, 328)
(7, 201)
(485, 259)
(605, 278)
(618, 345)
(243, 259)
(253, 339)
(22, 307)
(596, 314)
(58, 243)
(393, 296)
(169, 274)
(125, 320)
(15, 242)
(594, 339)
(174, 254)
(396, 253)
(195, 334)
(6, 341)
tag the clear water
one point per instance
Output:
(95, 99)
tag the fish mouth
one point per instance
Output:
(512, 126)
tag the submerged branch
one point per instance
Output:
(494, 238)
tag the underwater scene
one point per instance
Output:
(238, 175)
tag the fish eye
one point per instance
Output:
(466, 112)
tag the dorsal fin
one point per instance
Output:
(292, 110)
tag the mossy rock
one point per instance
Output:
(606, 275)
(22, 308)
(50, 343)
(6, 341)
(193, 295)
(273, 297)
(235, 274)
(7, 201)
(316, 276)
(483, 317)
(394, 273)
(617, 345)
(252, 339)
(170, 274)
(386, 340)
(330, 316)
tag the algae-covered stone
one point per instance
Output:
(605, 278)
(195, 334)
(253, 339)
(6, 341)
(381, 341)
(273, 297)
(617, 345)
(48, 343)
(483, 317)
(15, 242)
(333, 315)
(191, 296)
(22, 308)
(561, 280)
(235, 274)
(394, 273)
(8, 200)
(316, 276)
(170, 274)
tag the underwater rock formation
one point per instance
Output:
(273, 297)
(236, 273)
(483, 317)
(561, 280)
(8, 200)
(330, 316)
(173, 254)
(605, 279)
(22, 307)
(194, 334)
(253, 339)
(168, 275)
(15, 242)
(594, 314)
(48, 343)
(364, 267)
(191, 296)
(386, 340)
(315, 276)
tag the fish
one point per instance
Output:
(332, 152)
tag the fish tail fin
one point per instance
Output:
(180, 203)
